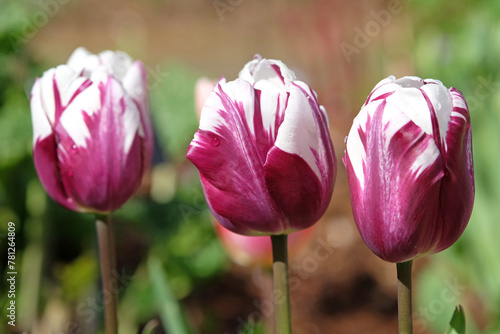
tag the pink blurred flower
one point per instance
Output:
(92, 135)
(251, 251)
(202, 90)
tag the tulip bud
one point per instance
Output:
(263, 149)
(92, 135)
(409, 164)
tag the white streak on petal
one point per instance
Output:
(99, 75)
(131, 122)
(68, 92)
(133, 82)
(47, 95)
(457, 114)
(41, 125)
(65, 76)
(355, 147)
(210, 118)
(411, 102)
(458, 100)
(298, 134)
(79, 58)
(443, 105)
(135, 85)
(410, 82)
(269, 107)
(260, 69)
(393, 120)
(425, 159)
(72, 119)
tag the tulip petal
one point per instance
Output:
(457, 193)
(267, 71)
(135, 83)
(295, 188)
(439, 97)
(231, 169)
(389, 200)
(48, 169)
(304, 132)
(42, 126)
(111, 155)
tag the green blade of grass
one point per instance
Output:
(457, 322)
(168, 306)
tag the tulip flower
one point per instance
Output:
(409, 165)
(266, 160)
(92, 139)
(264, 153)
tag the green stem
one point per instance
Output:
(405, 319)
(107, 259)
(281, 284)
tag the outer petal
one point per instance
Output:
(231, 169)
(457, 194)
(397, 182)
(135, 83)
(42, 125)
(46, 109)
(301, 168)
(102, 174)
(48, 169)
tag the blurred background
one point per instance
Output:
(169, 257)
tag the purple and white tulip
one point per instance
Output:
(409, 164)
(264, 153)
(92, 134)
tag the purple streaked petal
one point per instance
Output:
(232, 177)
(112, 155)
(48, 169)
(304, 132)
(439, 102)
(135, 83)
(457, 193)
(387, 210)
(295, 188)
(225, 152)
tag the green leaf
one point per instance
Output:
(168, 306)
(457, 322)
(253, 328)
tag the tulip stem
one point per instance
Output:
(405, 319)
(107, 259)
(281, 284)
